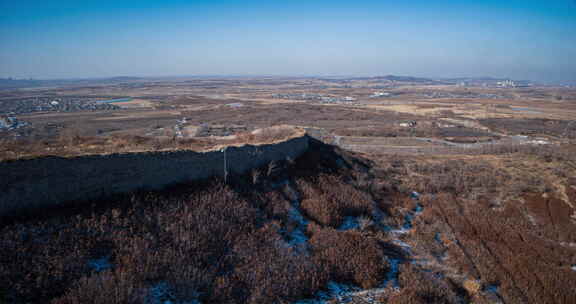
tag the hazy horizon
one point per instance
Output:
(445, 39)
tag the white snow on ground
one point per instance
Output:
(350, 222)
(392, 274)
(397, 231)
(378, 215)
(438, 238)
(336, 291)
(408, 221)
(100, 264)
(419, 208)
(235, 105)
(409, 217)
(297, 236)
(532, 220)
(407, 248)
(161, 293)
(492, 288)
(343, 293)
(493, 293)
(539, 142)
(295, 215)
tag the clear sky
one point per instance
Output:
(529, 39)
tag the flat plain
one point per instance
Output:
(412, 192)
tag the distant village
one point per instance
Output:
(54, 104)
(315, 97)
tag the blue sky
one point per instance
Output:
(444, 38)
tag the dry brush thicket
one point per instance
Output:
(209, 241)
(234, 243)
(498, 226)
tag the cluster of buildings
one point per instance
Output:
(314, 97)
(380, 94)
(506, 84)
(494, 83)
(437, 94)
(53, 104)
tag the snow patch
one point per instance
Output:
(532, 220)
(392, 274)
(100, 264)
(295, 215)
(235, 105)
(438, 238)
(404, 245)
(297, 236)
(418, 209)
(343, 293)
(493, 293)
(491, 288)
(409, 217)
(162, 293)
(350, 222)
(397, 231)
(335, 291)
(539, 142)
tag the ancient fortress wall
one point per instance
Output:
(50, 181)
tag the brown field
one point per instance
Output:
(73, 144)
(432, 194)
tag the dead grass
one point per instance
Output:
(349, 256)
(170, 237)
(328, 199)
(227, 243)
(70, 143)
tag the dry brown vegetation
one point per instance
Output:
(213, 242)
(497, 171)
(349, 256)
(535, 126)
(321, 203)
(70, 143)
(232, 243)
(497, 220)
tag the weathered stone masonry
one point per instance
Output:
(49, 181)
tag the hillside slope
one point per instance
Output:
(328, 227)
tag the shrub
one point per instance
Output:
(329, 199)
(350, 256)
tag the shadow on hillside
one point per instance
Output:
(273, 233)
(320, 158)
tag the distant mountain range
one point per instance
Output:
(9, 83)
(406, 79)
